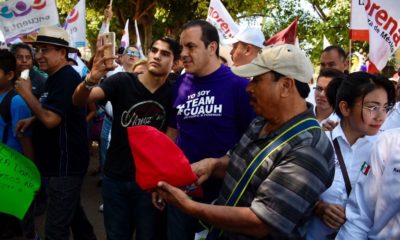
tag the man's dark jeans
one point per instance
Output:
(126, 208)
(64, 210)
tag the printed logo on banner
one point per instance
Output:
(20, 9)
(20, 17)
(384, 32)
(39, 4)
(74, 16)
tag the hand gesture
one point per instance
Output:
(99, 68)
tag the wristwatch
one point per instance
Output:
(89, 84)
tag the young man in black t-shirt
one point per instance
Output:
(143, 99)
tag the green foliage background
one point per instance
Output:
(317, 18)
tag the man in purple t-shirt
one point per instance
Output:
(211, 111)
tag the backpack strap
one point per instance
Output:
(5, 113)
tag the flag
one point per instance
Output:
(287, 35)
(384, 30)
(75, 25)
(326, 43)
(2, 40)
(358, 21)
(138, 42)
(365, 168)
(125, 35)
(220, 18)
(105, 27)
(18, 18)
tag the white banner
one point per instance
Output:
(358, 21)
(125, 36)
(20, 17)
(138, 42)
(384, 30)
(220, 18)
(2, 38)
(81, 68)
(75, 24)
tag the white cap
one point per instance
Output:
(285, 59)
(253, 36)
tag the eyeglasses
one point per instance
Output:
(319, 89)
(43, 50)
(375, 110)
(132, 53)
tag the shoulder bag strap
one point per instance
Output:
(342, 166)
(276, 143)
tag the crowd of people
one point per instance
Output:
(276, 156)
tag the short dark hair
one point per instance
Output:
(208, 32)
(173, 46)
(338, 49)
(357, 85)
(14, 48)
(301, 87)
(330, 73)
(7, 61)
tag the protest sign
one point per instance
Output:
(219, 17)
(20, 17)
(358, 21)
(19, 181)
(125, 36)
(75, 24)
(384, 30)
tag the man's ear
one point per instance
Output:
(10, 75)
(175, 63)
(213, 47)
(287, 84)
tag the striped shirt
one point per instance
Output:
(285, 188)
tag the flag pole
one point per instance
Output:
(350, 43)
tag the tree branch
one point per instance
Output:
(319, 11)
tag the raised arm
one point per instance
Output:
(88, 91)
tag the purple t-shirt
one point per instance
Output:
(210, 113)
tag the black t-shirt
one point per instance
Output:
(133, 105)
(62, 150)
(38, 82)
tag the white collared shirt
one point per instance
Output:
(393, 118)
(333, 117)
(354, 156)
(373, 211)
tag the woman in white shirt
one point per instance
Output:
(373, 211)
(361, 101)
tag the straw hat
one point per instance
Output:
(54, 36)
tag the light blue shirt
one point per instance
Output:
(19, 110)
